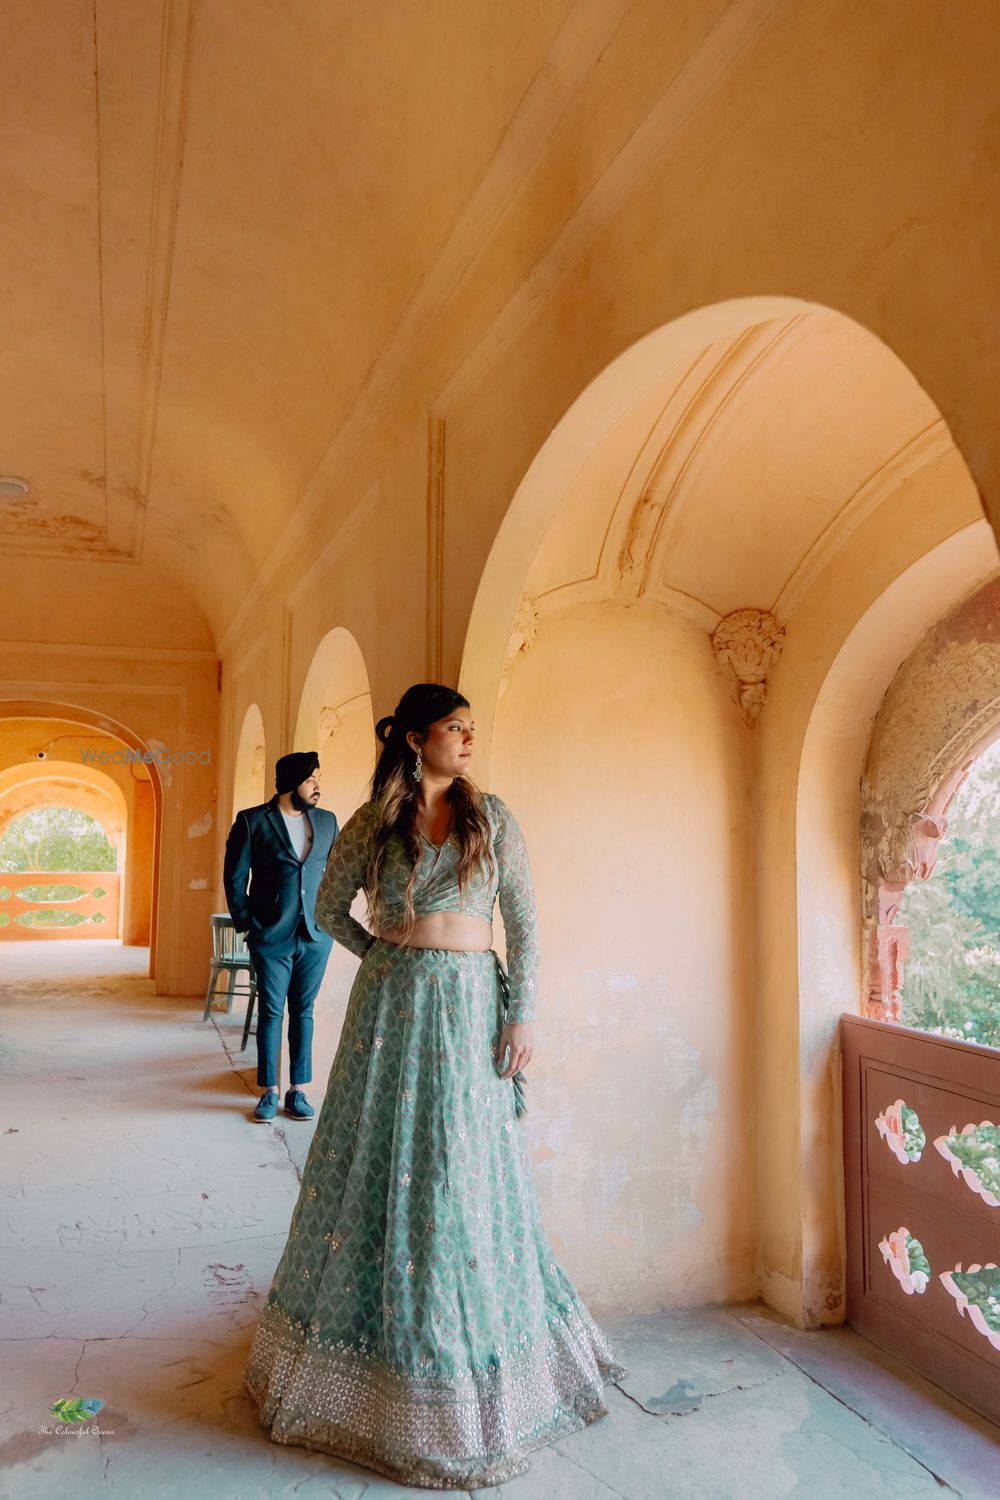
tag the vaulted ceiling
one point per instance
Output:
(213, 217)
(228, 225)
(742, 470)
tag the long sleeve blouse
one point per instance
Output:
(436, 889)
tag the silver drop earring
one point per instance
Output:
(418, 769)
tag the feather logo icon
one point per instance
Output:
(76, 1408)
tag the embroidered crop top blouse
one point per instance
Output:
(437, 889)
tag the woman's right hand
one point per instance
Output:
(518, 1036)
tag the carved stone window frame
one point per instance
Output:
(940, 713)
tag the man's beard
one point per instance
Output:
(302, 803)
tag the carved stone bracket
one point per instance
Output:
(749, 642)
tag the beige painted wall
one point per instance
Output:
(619, 750)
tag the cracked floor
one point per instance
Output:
(144, 1214)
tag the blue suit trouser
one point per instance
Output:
(296, 973)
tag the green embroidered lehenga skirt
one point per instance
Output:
(418, 1323)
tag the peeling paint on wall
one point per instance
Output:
(200, 826)
(621, 1070)
(164, 764)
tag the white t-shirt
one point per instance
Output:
(299, 831)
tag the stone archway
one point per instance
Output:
(50, 784)
(671, 585)
(250, 772)
(628, 406)
(941, 710)
(812, 936)
(335, 717)
(138, 818)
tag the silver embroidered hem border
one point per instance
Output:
(424, 1429)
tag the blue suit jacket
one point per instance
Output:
(283, 887)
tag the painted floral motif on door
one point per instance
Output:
(974, 1154)
(900, 1128)
(904, 1255)
(977, 1292)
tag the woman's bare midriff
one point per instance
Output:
(447, 929)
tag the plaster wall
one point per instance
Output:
(621, 753)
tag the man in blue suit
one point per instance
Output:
(283, 845)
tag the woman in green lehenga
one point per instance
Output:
(418, 1322)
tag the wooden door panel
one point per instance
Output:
(922, 1210)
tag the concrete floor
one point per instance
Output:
(143, 1215)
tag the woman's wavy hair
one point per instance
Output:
(394, 795)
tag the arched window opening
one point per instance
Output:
(951, 977)
(49, 840)
(929, 827)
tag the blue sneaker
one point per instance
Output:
(267, 1106)
(297, 1105)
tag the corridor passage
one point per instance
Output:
(143, 1215)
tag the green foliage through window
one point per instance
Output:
(55, 838)
(51, 892)
(50, 918)
(951, 980)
